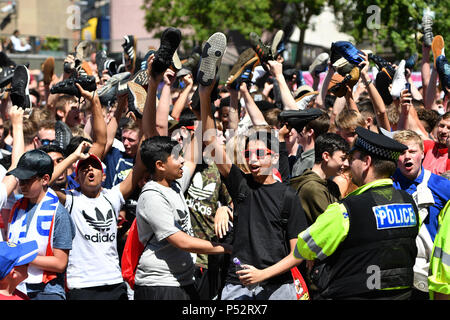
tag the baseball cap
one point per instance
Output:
(16, 254)
(32, 163)
(91, 156)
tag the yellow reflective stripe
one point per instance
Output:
(323, 237)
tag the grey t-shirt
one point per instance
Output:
(305, 161)
(162, 211)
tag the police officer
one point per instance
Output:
(438, 280)
(365, 243)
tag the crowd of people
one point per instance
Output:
(153, 179)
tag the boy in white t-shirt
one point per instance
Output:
(94, 271)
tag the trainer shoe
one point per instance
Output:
(443, 69)
(427, 26)
(246, 58)
(68, 86)
(263, 51)
(48, 69)
(399, 81)
(105, 63)
(136, 98)
(382, 64)
(339, 85)
(107, 93)
(192, 62)
(346, 50)
(82, 50)
(303, 101)
(144, 61)
(212, 54)
(20, 94)
(437, 46)
(410, 63)
(176, 62)
(170, 40)
(6, 75)
(382, 82)
(277, 43)
(244, 76)
(319, 64)
(129, 52)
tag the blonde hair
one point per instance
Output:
(349, 119)
(405, 136)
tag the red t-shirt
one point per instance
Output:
(436, 157)
(17, 295)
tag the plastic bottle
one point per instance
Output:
(239, 266)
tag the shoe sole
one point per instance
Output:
(211, 56)
(48, 69)
(238, 73)
(276, 41)
(139, 95)
(437, 46)
(321, 58)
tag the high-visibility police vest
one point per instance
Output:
(380, 249)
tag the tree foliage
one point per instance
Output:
(206, 17)
(399, 31)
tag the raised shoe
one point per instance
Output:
(68, 86)
(212, 54)
(399, 81)
(347, 50)
(277, 43)
(263, 51)
(427, 28)
(20, 94)
(443, 69)
(170, 40)
(437, 46)
(129, 50)
(319, 64)
(247, 58)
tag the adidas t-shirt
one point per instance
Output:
(93, 260)
(205, 194)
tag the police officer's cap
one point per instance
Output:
(378, 144)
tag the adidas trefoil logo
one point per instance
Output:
(100, 224)
(198, 191)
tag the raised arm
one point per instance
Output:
(216, 150)
(287, 98)
(149, 114)
(162, 112)
(378, 103)
(255, 114)
(16, 116)
(113, 124)
(409, 119)
(320, 100)
(98, 122)
(182, 100)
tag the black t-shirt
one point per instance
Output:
(259, 236)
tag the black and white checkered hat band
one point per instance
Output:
(376, 150)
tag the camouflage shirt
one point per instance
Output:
(206, 193)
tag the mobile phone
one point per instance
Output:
(408, 87)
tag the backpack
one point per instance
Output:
(131, 254)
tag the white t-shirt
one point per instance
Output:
(93, 260)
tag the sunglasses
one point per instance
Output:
(46, 142)
(260, 153)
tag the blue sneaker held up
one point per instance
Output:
(346, 50)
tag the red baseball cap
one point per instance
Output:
(91, 156)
